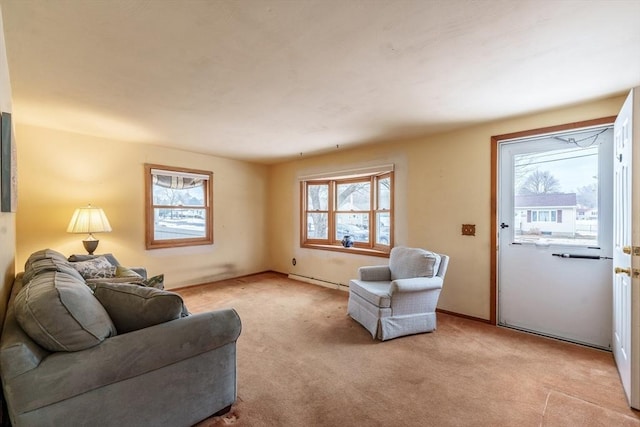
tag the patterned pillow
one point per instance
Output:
(154, 282)
(97, 268)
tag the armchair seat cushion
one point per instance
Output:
(376, 293)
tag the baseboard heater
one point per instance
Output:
(319, 282)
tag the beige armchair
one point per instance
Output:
(398, 299)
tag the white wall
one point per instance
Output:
(60, 171)
(442, 182)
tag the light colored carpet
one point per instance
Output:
(303, 362)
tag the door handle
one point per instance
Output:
(503, 225)
(619, 270)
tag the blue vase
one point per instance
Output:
(347, 241)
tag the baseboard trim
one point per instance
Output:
(223, 280)
(464, 316)
(319, 282)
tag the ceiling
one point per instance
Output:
(269, 80)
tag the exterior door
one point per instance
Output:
(555, 235)
(626, 320)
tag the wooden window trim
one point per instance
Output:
(150, 241)
(332, 243)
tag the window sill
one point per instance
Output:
(352, 250)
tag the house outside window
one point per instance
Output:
(545, 214)
(358, 206)
(178, 207)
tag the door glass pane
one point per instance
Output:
(556, 191)
(354, 224)
(354, 196)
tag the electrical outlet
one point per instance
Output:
(468, 229)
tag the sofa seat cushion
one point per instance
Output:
(406, 263)
(59, 312)
(377, 293)
(133, 307)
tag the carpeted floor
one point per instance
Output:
(303, 362)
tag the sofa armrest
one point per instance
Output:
(416, 284)
(63, 375)
(375, 273)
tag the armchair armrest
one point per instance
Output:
(375, 273)
(416, 284)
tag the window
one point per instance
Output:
(178, 207)
(556, 188)
(360, 206)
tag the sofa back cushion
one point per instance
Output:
(39, 266)
(406, 263)
(59, 312)
(43, 254)
(133, 307)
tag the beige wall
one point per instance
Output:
(7, 220)
(442, 182)
(59, 171)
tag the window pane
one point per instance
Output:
(383, 221)
(179, 224)
(559, 187)
(176, 191)
(384, 193)
(317, 226)
(317, 197)
(355, 196)
(355, 225)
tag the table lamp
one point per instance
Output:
(89, 220)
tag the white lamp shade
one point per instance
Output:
(89, 220)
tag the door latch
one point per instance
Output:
(620, 270)
(635, 250)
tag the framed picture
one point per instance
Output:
(8, 164)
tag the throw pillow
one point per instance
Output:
(133, 307)
(86, 257)
(127, 272)
(123, 275)
(154, 282)
(96, 268)
(60, 313)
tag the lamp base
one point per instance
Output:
(90, 245)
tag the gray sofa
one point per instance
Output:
(166, 373)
